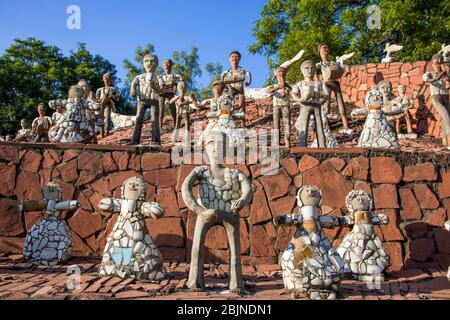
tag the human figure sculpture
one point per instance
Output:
(107, 96)
(376, 133)
(331, 74)
(390, 105)
(234, 80)
(130, 251)
(437, 79)
(145, 89)
(405, 104)
(330, 140)
(212, 103)
(310, 94)
(59, 111)
(168, 83)
(311, 267)
(90, 112)
(183, 110)
(49, 242)
(41, 125)
(223, 192)
(362, 251)
(24, 134)
(225, 122)
(72, 126)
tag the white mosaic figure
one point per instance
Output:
(222, 193)
(376, 133)
(72, 126)
(49, 242)
(225, 122)
(130, 251)
(362, 251)
(310, 265)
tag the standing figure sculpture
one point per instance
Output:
(41, 125)
(168, 84)
(183, 110)
(404, 103)
(72, 126)
(437, 79)
(24, 134)
(130, 251)
(49, 242)
(234, 79)
(310, 94)
(310, 265)
(362, 251)
(223, 192)
(90, 112)
(107, 96)
(145, 88)
(331, 73)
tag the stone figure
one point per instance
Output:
(331, 74)
(90, 112)
(168, 84)
(222, 193)
(59, 110)
(130, 251)
(183, 110)
(376, 133)
(41, 125)
(437, 79)
(390, 50)
(311, 267)
(24, 134)
(212, 104)
(72, 126)
(362, 251)
(330, 140)
(234, 79)
(49, 242)
(145, 88)
(310, 94)
(225, 122)
(107, 96)
(445, 51)
(405, 104)
(390, 107)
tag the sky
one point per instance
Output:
(114, 28)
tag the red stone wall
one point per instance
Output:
(415, 194)
(360, 78)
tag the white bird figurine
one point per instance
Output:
(341, 60)
(390, 49)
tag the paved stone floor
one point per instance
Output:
(19, 281)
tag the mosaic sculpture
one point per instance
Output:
(362, 251)
(90, 111)
(223, 192)
(168, 84)
(107, 96)
(24, 134)
(405, 104)
(311, 267)
(183, 110)
(211, 104)
(130, 251)
(49, 242)
(41, 125)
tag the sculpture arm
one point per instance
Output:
(116, 95)
(67, 205)
(360, 112)
(152, 210)
(246, 189)
(249, 78)
(380, 219)
(98, 95)
(110, 205)
(186, 192)
(58, 103)
(288, 219)
(134, 87)
(330, 221)
(28, 206)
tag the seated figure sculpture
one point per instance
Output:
(222, 193)
(49, 242)
(362, 251)
(72, 126)
(377, 133)
(405, 104)
(211, 104)
(130, 251)
(24, 134)
(310, 265)
(310, 94)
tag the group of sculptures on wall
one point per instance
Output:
(82, 116)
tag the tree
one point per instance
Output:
(214, 70)
(186, 64)
(286, 26)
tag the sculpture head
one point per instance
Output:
(76, 93)
(134, 189)
(225, 103)
(401, 89)
(385, 87)
(216, 147)
(86, 87)
(150, 63)
(374, 98)
(168, 64)
(107, 79)
(52, 191)
(181, 86)
(358, 201)
(309, 196)
(280, 74)
(41, 109)
(217, 87)
(324, 51)
(235, 58)
(24, 123)
(309, 69)
(437, 59)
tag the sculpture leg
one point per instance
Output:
(156, 135)
(162, 107)
(341, 104)
(287, 124)
(327, 104)
(232, 226)
(107, 120)
(302, 125)
(136, 139)
(319, 128)
(173, 112)
(177, 128)
(276, 118)
(187, 125)
(196, 279)
(242, 107)
(408, 122)
(439, 105)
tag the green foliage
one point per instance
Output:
(214, 71)
(287, 26)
